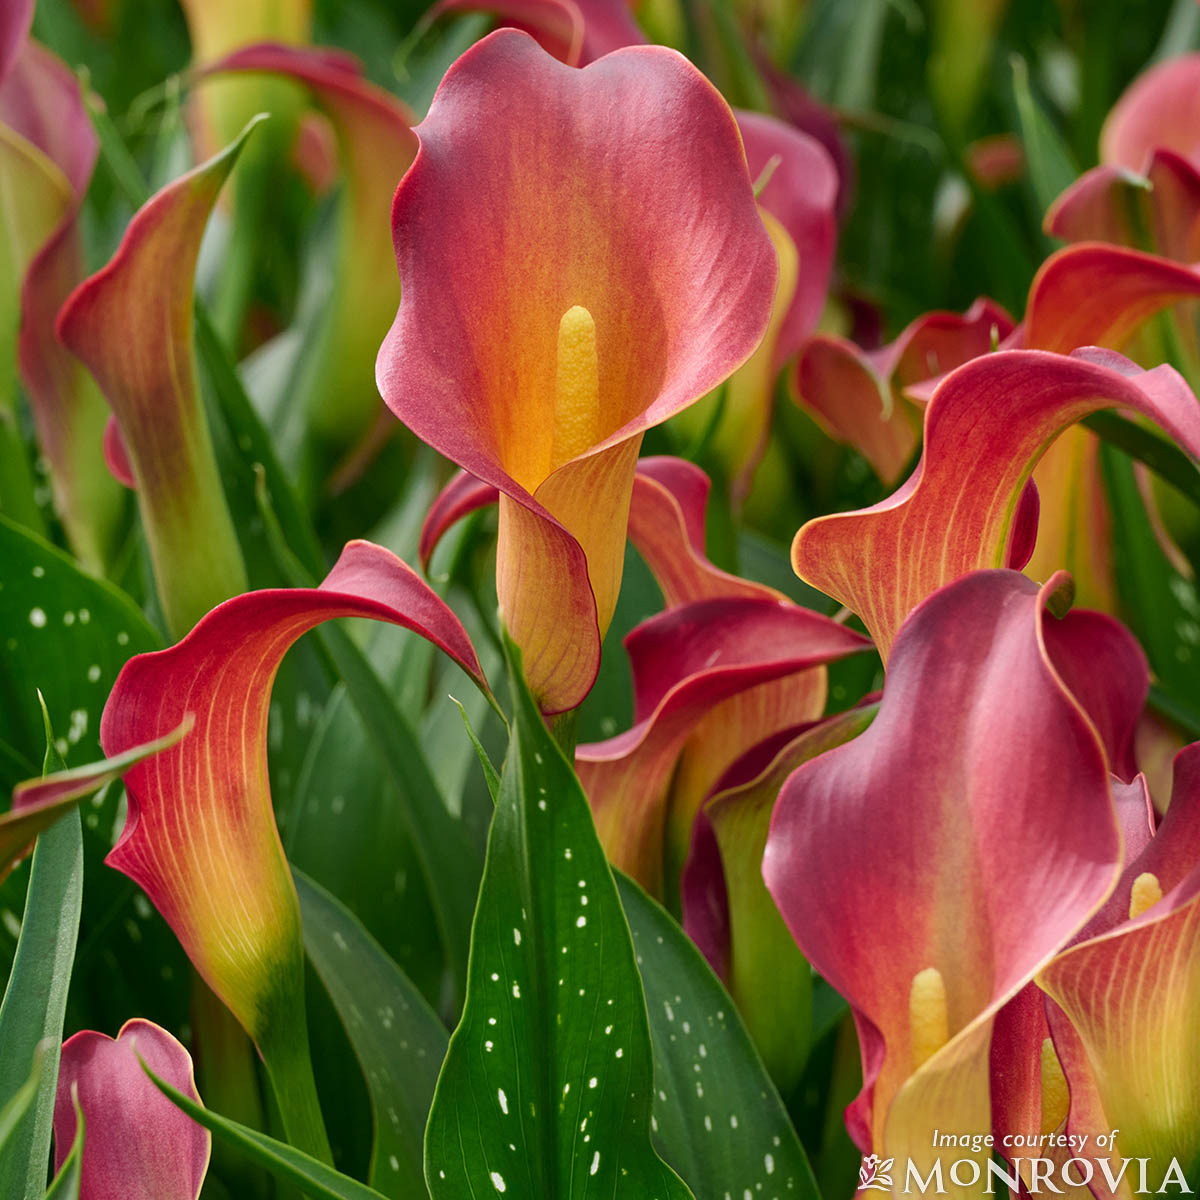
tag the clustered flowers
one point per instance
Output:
(931, 819)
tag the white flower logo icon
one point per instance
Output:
(873, 1174)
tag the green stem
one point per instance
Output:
(564, 728)
(284, 1048)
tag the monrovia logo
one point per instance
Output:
(873, 1174)
(1038, 1176)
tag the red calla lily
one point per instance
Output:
(730, 663)
(986, 427)
(201, 838)
(857, 395)
(932, 837)
(543, 327)
(1111, 204)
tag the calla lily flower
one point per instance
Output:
(710, 680)
(986, 427)
(201, 839)
(47, 152)
(1084, 295)
(137, 1145)
(548, 319)
(131, 325)
(1030, 1094)
(1127, 988)
(1160, 108)
(1089, 295)
(884, 835)
(1146, 192)
(857, 396)
(376, 145)
(1158, 210)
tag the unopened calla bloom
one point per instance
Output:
(201, 838)
(131, 324)
(376, 144)
(965, 836)
(47, 152)
(726, 908)
(581, 257)
(137, 1145)
(986, 427)
(1127, 988)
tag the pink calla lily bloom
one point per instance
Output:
(1124, 1017)
(47, 152)
(959, 878)
(200, 838)
(857, 395)
(575, 268)
(1148, 183)
(986, 426)
(137, 1145)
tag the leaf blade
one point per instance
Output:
(547, 1086)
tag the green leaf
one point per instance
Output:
(1051, 168)
(720, 1121)
(1159, 453)
(36, 998)
(290, 1166)
(67, 1181)
(66, 633)
(250, 436)
(347, 830)
(448, 862)
(397, 1037)
(1160, 605)
(546, 1091)
(12, 1114)
(490, 774)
